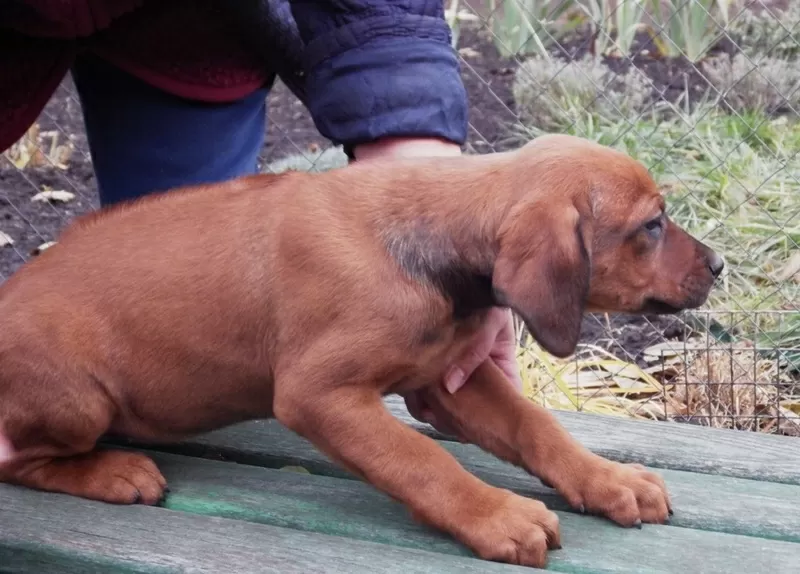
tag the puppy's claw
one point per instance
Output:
(582, 509)
(137, 498)
(638, 523)
(670, 512)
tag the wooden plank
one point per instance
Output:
(53, 533)
(671, 445)
(706, 502)
(352, 509)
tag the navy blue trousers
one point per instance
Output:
(143, 140)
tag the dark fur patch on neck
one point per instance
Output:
(432, 258)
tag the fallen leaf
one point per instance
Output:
(293, 468)
(623, 370)
(587, 379)
(5, 240)
(42, 247)
(469, 53)
(55, 195)
(670, 349)
(667, 368)
(631, 384)
(792, 405)
(791, 270)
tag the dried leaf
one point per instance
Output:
(293, 468)
(42, 247)
(667, 369)
(669, 349)
(55, 195)
(5, 240)
(587, 379)
(469, 52)
(789, 422)
(791, 270)
(623, 370)
(633, 384)
(792, 405)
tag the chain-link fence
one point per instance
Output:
(705, 93)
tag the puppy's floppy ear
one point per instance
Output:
(542, 273)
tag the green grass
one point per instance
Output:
(732, 181)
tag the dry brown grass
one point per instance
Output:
(721, 386)
(39, 149)
(733, 387)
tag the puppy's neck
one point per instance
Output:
(444, 234)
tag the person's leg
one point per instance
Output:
(144, 140)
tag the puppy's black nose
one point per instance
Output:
(715, 264)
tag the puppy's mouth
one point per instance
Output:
(659, 307)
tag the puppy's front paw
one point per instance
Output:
(518, 531)
(628, 494)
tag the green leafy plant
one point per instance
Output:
(776, 34)
(599, 14)
(627, 18)
(552, 95)
(689, 26)
(622, 20)
(766, 85)
(523, 27)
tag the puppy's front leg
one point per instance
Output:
(351, 425)
(488, 412)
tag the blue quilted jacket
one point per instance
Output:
(364, 68)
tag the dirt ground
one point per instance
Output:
(488, 80)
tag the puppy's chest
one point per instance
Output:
(437, 348)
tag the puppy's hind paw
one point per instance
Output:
(114, 476)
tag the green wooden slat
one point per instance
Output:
(670, 445)
(657, 445)
(708, 502)
(354, 510)
(44, 533)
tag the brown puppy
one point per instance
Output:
(308, 297)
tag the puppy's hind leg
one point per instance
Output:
(48, 434)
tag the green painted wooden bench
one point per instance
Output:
(234, 506)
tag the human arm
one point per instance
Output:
(380, 70)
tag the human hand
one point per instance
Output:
(405, 147)
(495, 341)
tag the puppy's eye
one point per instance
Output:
(655, 227)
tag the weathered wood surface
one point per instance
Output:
(736, 497)
(707, 502)
(671, 445)
(223, 517)
(51, 534)
(655, 444)
(353, 509)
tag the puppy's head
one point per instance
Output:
(587, 232)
